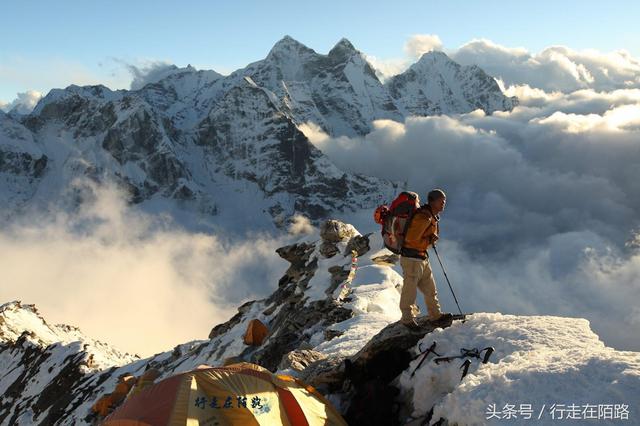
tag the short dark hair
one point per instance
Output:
(435, 194)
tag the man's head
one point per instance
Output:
(437, 200)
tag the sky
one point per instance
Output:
(543, 207)
(53, 44)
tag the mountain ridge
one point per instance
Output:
(165, 140)
(336, 328)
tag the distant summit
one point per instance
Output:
(205, 144)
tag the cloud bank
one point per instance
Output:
(556, 68)
(544, 207)
(130, 279)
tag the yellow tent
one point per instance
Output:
(239, 394)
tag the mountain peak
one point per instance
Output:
(434, 56)
(343, 47)
(288, 44)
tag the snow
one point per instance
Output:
(17, 319)
(538, 361)
(541, 364)
(374, 299)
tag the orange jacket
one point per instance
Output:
(423, 231)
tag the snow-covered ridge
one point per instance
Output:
(337, 304)
(23, 321)
(544, 369)
(202, 144)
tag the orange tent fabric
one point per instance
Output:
(240, 394)
(104, 404)
(256, 333)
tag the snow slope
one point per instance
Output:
(542, 366)
(544, 369)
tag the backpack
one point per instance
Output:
(395, 219)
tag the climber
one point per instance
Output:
(422, 232)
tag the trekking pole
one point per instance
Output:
(448, 282)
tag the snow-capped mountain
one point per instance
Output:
(209, 145)
(332, 323)
(48, 370)
(438, 85)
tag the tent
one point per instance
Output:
(256, 332)
(239, 394)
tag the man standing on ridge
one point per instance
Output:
(423, 231)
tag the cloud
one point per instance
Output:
(300, 225)
(24, 72)
(386, 68)
(24, 103)
(419, 44)
(573, 275)
(556, 68)
(414, 48)
(115, 73)
(133, 280)
(149, 72)
(543, 207)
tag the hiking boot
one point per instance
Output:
(411, 324)
(443, 318)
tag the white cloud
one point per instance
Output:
(113, 73)
(419, 44)
(386, 68)
(414, 48)
(300, 225)
(24, 103)
(556, 68)
(542, 202)
(130, 279)
(618, 119)
(147, 72)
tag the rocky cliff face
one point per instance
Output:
(195, 139)
(333, 323)
(54, 374)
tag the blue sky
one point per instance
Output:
(51, 44)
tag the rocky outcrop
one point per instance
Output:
(364, 381)
(300, 359)
(303, 314)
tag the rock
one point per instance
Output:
(386, 259)
(237, 318)
(326, 374)
(335, 231)
(359, 244)
(296, 254)
(328, 249)
(330, 334)
(300, 359)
